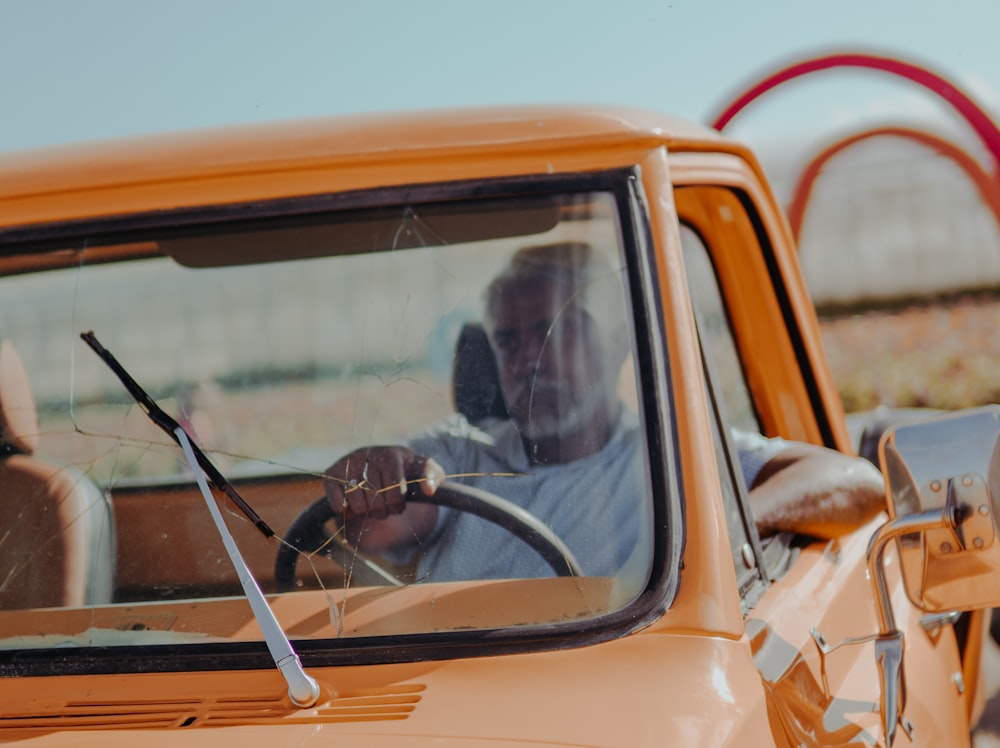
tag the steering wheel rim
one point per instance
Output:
(308, 534)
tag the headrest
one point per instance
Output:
(475, 381)
(18, 416)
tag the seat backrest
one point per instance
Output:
(56, 531)
(876, 422)
(475, 380)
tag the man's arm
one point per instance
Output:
(815, 491)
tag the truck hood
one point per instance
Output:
(641, 690)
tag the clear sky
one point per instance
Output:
(74, 70)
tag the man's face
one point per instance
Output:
(555, 371)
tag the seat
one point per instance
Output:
(56, 531)
(475, 380)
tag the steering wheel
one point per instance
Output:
(308, 534)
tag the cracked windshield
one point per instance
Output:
(417, 418)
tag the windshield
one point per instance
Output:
(491, 340)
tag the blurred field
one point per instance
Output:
(936, 354)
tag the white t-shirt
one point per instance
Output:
(597, 505)
(600, 506)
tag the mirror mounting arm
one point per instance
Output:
(889, 643)
(914, 523)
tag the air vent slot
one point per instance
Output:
(381, 704)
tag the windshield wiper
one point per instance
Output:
(303, 690)
(158, 416)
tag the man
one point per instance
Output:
(569, 453)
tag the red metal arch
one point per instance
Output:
(987, 187)
(977, 118)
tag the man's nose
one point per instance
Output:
(527, 357)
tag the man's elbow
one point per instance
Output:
(823, 494)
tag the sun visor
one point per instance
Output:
(361, 231)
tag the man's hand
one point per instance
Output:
(372, 483)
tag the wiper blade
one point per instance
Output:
(158, 416)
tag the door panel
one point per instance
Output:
(812, 599)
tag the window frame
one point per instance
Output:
(747, 554)
(796, 397)
(656, 414)
(770, 558)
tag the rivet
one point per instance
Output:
(946, 548)
(966, 480)
(935, 485)
(984, 510)
(978, 542)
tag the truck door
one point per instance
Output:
(807, 603)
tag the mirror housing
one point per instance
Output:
(946, 469)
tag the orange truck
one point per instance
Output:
(194, 328)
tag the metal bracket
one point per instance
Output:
(825, 648)
(934, 623)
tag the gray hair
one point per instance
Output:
(583, 272)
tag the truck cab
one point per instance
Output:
(197, 326)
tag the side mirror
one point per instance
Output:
(943, 477)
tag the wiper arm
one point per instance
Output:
(158, 416)
(303, 689)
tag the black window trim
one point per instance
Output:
(790, 319)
